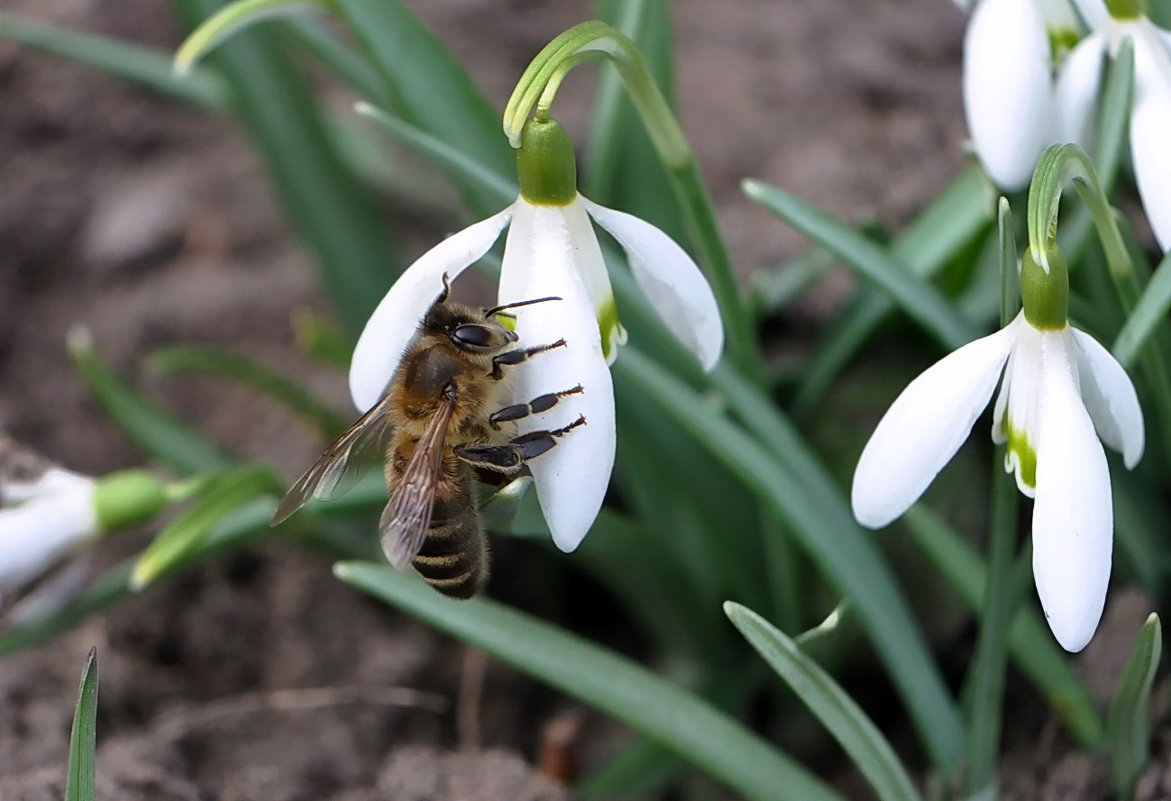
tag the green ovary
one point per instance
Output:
(1026, 455)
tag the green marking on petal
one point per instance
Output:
(1018, 445)
(1061, 42)
(611, 330)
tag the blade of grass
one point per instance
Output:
(239, 368)
(666, 712)
(1128, 729)
(855, 732)
(81, 779)
(848, 557)
(1030, 644)
(429, 88)
(142, 65)
(149, 426)
(329, 207)
(919, 300)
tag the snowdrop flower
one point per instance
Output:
(1012, 105)
(552, 250)
(1015, 107)
(48, 513)
(1059, 387)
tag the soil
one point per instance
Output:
(150, 223)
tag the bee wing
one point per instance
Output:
(339, 458)
(407, 515)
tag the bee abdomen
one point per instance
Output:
(454, 557)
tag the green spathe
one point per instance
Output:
(1045, 296)
(545, 164)
(128, 498)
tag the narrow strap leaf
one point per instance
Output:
(842, 717)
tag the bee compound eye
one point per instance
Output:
(477, 336)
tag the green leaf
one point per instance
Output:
(919, 300)
(870, 752)
(1147, 315)
(231, 19)
(1113, 115)
(133, 62)
(985, 688)
(617, 686)
(149, 426)
(176, 543)
(1030, 643)
(79, 783)
(952, 220)
(1128, 730)
(430, 89)
(339, 57)
(621, 167)
(848, 558)
(215, 361)
(462, 169)
(329, 207)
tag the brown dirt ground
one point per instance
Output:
(151, 223)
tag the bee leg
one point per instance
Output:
(542, 403)
(511, 457)
(511, 357)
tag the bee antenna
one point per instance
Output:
(497, 309)
(446, 290)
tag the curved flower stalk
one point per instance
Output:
(552, 250)
(1061, 393)
(1016, 106)
(49, 514)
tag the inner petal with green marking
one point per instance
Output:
(1020, 457)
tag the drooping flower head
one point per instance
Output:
(552, 250)
(1061, 395)
(48, 514)
(1033, 76)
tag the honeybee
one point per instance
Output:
(441, 416)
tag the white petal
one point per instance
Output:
(1150, 122)
(1014, 420)
(1008, 93)
(924, 428)
(1073, 520)
(1109, 398)
(392, 325)
(1077, 91)
(1058, 15)
(52, 481)
(671, 281)
(37, 534)
(541, 259)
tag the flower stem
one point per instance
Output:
(535, 93)
(985, 688)
(1058, 164)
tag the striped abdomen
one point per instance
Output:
(454, 557)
